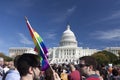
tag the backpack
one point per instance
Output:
(5, 74)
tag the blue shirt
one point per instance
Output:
(13, 75)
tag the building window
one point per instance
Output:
(73, 53)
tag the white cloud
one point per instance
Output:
(71, 10)
(111, 17)
(114, 15)
(61, 17)
(24, 39)
(50, 35)
(108, 35)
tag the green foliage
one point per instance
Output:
(6, 58)
(105, 57)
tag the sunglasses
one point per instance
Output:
(83, 65)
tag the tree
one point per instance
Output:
(118, 61)
(119, 55)
(105, 57)
(6, 58)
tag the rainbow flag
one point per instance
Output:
(39, 46)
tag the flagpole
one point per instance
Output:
(29, 26)
(49, 64)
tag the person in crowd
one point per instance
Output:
(100, 77)
(104, 72)
(29, 65)
(11, 65)
(48, 74)
(115, 75)
(64, 75)
(5, 68)
(1, 67)
(75, 74)
(42, 75)
(13, 73)
(110, 68)
(88, 68)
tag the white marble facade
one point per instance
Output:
(68, 50)
(114, 50)
(14, 51)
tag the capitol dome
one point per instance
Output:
(68, 38)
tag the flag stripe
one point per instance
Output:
(41, 42)
(39, 46)
(44, 48)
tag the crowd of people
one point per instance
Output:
(28, 67)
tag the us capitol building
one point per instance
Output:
(68, 50)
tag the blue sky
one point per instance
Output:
(96, 23)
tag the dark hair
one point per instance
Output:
(15, 60)
(89, 60)
(115, 72)
(26, 61)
